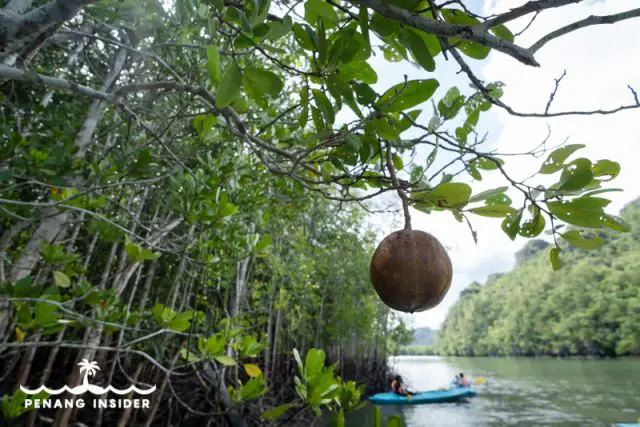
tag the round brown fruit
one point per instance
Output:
(411, 271)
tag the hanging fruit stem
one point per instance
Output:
(401, 193)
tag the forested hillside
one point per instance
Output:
(591, 306)
(424, 336)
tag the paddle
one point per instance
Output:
(479, 380)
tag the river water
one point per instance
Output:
(520, 392)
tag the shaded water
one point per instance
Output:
(522, 392)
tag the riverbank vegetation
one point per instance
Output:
(185, 188)
(417, 350)
(590, 307)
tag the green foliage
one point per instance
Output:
(407, 95)
(13, 406)
(229, 85)
(417, 350)
(589, 307)
(168, 318)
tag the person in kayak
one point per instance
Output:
(461, 381)
(397, 387)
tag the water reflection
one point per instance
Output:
(522, 392)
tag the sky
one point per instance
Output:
(600, 62)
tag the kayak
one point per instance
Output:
(628, 425)
(433, 396)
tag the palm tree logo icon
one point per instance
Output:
(89, 369)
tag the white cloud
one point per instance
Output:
(600, 62)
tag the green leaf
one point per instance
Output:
(495, 211)
(534, 226)
(253, 388)
(377, 417)
(319, 9)
(219, 4)
(358, 70)
(503, 32)
(352, 143)
(278, 30)
(363, 19)
(203, 124)
(45, 314)
(313, 363)
(576, 175)
(181, 322)
(489, 163)
(296, 355)
(556, 159)
(420, 51)
(230, 85)
(237, 16)
(225, 360)
(264, 243)
(188, 356)
(316, 115)
(405, 123)
(615, 223)
(61, 280)
(322, 43)
(449, 194)
(582, 211)
(511, 225)
(304, 101)
(213, 63)
(488, 194)
(364, 94)
(398, 164)
(606, 168)
(395, 421)
(324, 105)
(554, 257)
(305, 36)
(471, 49)
(407, 95)
(156, 313)
(276, 412)
(575, 238)
(474, 172)
(259, 82)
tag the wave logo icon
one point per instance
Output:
(89, 369)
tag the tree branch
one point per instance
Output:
(21, 31)
(525, 9)
(485, 92)
(587, 22)
(476, 33)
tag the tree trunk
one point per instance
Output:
(267, 347)
(176, 284)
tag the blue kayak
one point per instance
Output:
(628, 425)
(434, 396)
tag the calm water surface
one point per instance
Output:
(521, 392)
